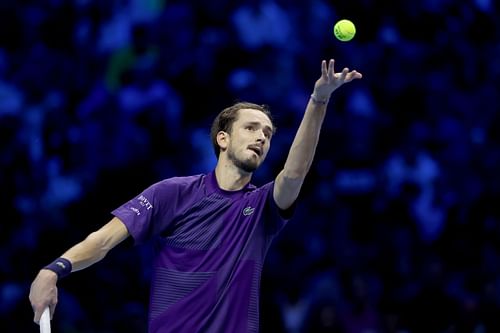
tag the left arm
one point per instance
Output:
(289, 181)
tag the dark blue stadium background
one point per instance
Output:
(398, 226)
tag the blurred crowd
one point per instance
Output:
(398, 226)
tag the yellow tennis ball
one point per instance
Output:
(344, 30)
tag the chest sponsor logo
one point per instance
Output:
(248, 211)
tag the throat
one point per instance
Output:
(230, 178)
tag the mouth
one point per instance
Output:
(256, 149)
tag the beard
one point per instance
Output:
(248, 165)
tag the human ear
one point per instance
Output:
(223, 140)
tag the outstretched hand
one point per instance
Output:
(330, 81)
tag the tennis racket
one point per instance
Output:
(45, 321)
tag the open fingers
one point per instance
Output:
(344, 73)
(353, 75)
(331, 68)
(328, 73)
(324, 68)
(341, 76)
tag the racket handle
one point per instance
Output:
(45, 321)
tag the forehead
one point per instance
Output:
(253, 115)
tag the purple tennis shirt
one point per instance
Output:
(210, 246)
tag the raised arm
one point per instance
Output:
(290, 179)
(43, 290)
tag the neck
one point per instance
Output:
(231, 178)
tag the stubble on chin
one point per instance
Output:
(247, 165)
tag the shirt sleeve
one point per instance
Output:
(148, 213)
(276, 218)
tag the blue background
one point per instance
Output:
(398, 226)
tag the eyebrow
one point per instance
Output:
(258, 123)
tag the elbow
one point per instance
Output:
(99, 244)
(292, 181)
(296, 173)
(297, 169)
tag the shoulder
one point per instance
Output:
(262, 189)
(174, 188)
(179, 182)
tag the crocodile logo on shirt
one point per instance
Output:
(248, 211)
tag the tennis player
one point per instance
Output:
(212, 231)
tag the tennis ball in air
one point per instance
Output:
(344, 30)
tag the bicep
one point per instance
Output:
(286, 190)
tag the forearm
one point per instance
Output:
(304, 145)
(96, 245)
(86, 253)
(43, 291)
(302, 151)
(300, 157)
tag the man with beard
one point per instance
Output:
(211, 231)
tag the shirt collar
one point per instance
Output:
(212, 186)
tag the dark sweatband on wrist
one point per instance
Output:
(61, 266)
(319, 101)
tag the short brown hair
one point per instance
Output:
(225, 119)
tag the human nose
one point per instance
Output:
(261, 136)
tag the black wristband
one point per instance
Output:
(61, 266)
(318, 101)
